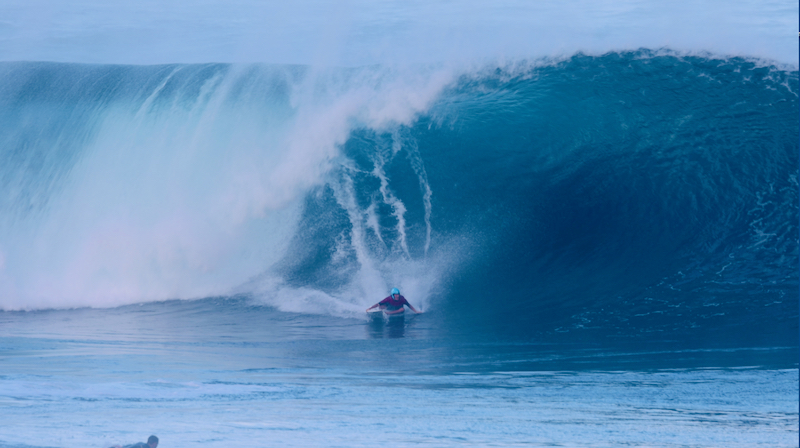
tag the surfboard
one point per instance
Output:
(375, 314)
(379, 314)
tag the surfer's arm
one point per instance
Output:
(413, 309)
(373, 306)
(399, 310)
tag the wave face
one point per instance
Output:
(624, 194)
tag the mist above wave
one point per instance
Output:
(365, 32)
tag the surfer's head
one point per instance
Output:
(152, 441)
(395, 291)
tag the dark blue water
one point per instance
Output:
(623, 196)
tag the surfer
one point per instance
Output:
(152, 442)
(394, 303)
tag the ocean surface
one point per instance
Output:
(604, 242)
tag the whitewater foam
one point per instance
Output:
(184, 181)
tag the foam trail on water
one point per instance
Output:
(373, 224)
(398, 208)
(414, 157)
(146, 105)
(368, 277)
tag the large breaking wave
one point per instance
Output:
(630, 192)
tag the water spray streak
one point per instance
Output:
(415, 160)
(398, 208)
